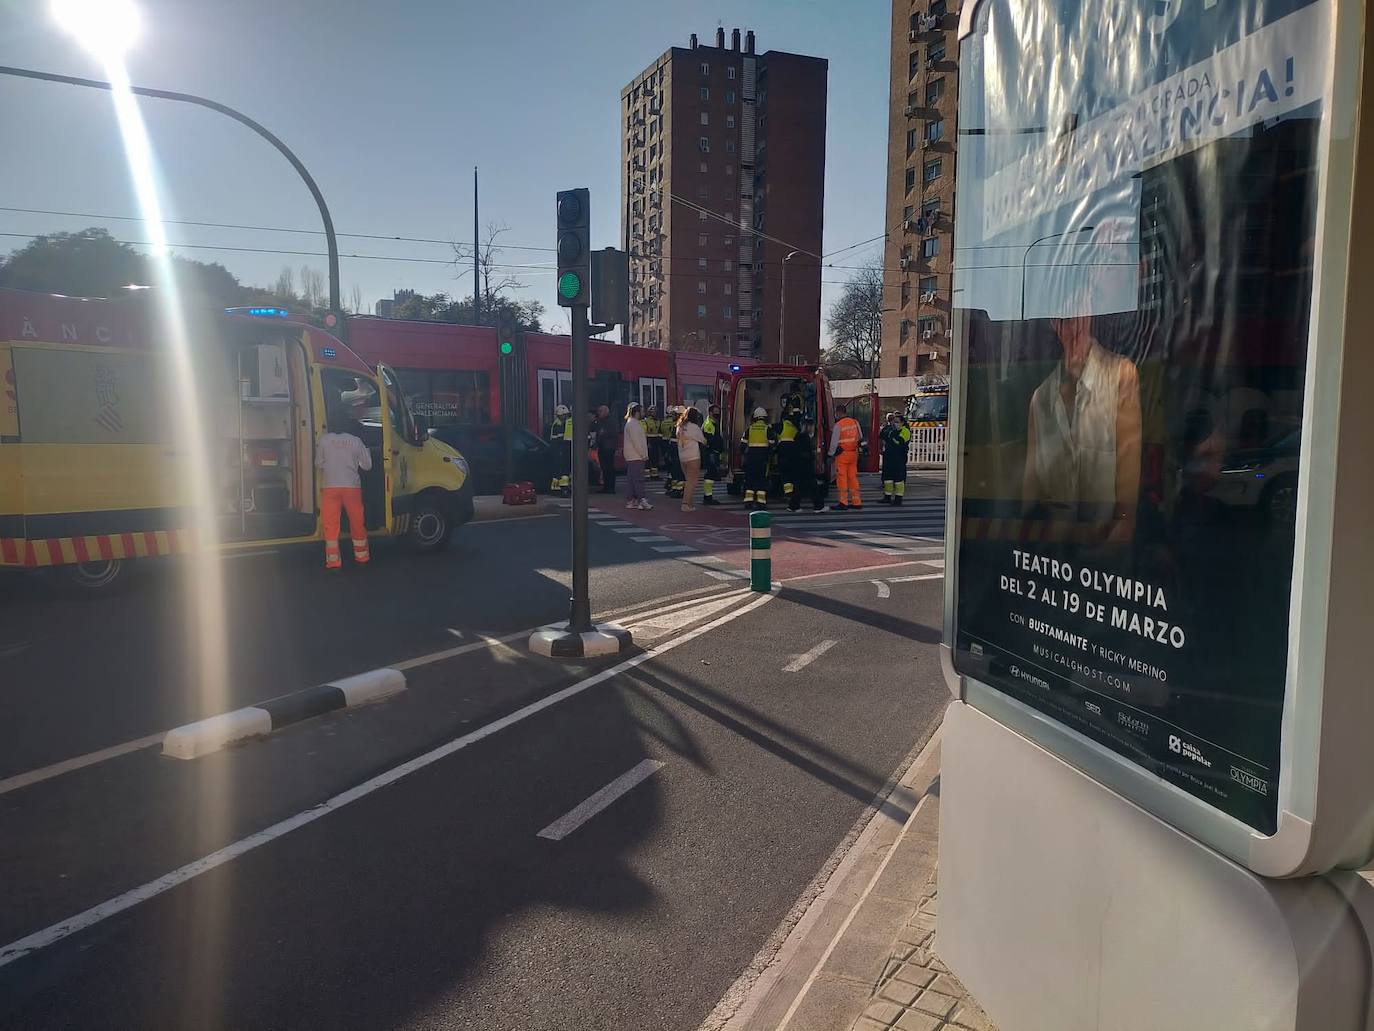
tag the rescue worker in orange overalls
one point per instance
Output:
(845, 441)
(340, 457)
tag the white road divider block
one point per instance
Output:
(210, 735)
(372, 686)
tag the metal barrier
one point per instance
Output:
(928, 445)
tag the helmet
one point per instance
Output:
(760, 412)
(562, 410)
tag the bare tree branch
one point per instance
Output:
(855, 323)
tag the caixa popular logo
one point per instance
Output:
(1248, 780)
(1188, 750)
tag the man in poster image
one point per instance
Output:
(1083, 435)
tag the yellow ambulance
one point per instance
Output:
(92, 464)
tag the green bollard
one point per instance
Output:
(760, 551)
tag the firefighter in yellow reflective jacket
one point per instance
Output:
(758, 444)
(787, 431)
(560, 439)
(715, 447)
(653, 434)
(896, 441)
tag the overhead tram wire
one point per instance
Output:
(270, 229)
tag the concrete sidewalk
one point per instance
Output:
(862, 956)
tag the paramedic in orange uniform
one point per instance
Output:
(845, 441)
(340, 456)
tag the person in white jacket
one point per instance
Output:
(635, 447)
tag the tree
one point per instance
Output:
(355, 299)
(495, 278)
(409, 304)
(312, 287)
(855, 323)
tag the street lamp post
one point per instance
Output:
(330, 242)
(1033, 243)
(782, 308)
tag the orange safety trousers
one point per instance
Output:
(847, 478)
(333, 499)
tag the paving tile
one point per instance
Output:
(864, 1024)
(947, 985)
(900, 992)
(913, 974)
(971, 1018)
(884, 1013)
(934, 1002)
(915, 1020)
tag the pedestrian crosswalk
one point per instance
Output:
(914, 529)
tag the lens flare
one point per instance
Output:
(105, 28)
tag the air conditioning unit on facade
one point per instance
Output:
(911, 36)
(908, 226)
(928, 297)
(911, 110)
(926, 144)
(906, 264)
(927, 334)
(933, 355)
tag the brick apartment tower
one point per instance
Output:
(923, 105)
(723, 177)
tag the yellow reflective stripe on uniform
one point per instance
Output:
(758, 433)
(789, 431)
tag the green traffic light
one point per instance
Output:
(506, 347)
(569, 285)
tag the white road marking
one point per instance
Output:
(575, 818)
(627, 529)
(913, 579)
(713, 560)
(248, 554)
(729, 574)
(90, 917)
(672, 549)
(23, 780)
(499, 644)
(806, 658)
(653, 538)
(14, 649)
(884, 591)
(662, 624)
(456, 633)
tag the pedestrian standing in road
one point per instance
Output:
(672, 462)
(340, 457)
(560, 440)
(715, 446)
(758, 445)
(845, 442)
(690, 442)
(636, 450)
(896, 442)
(605, 448)
(653, 434)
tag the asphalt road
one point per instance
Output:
(384, 865)
(85, 674)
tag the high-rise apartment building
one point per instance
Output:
(923, 105)
(722, 188)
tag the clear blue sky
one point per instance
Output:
(390, 106)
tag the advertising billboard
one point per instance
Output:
(1135, 237)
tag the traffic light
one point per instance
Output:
(574, 247)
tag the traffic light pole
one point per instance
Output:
(580, 617)
(579, 637)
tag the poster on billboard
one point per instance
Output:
(1134, 253)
